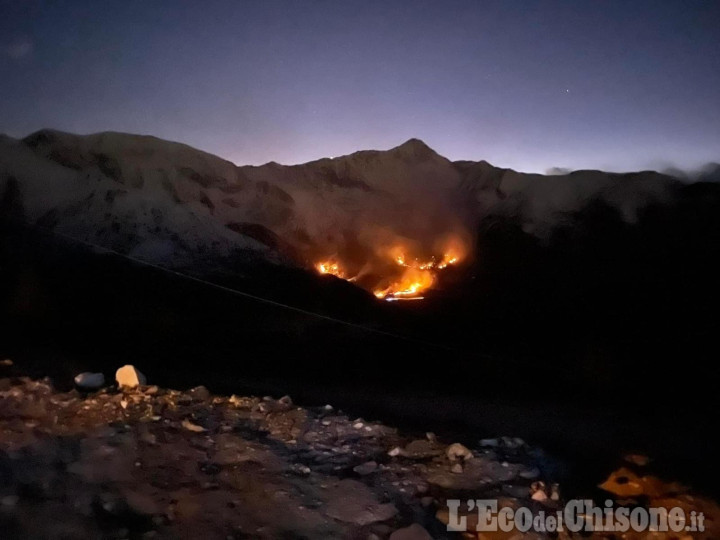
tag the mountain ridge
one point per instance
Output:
(172, 204)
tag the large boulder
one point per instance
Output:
(129, 377)
(89, 381)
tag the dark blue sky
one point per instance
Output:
(617, 84)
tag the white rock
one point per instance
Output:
(538, 491)
(130, 377)
(90, 381)
(457, 451)
(190, 426)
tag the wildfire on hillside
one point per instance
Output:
(330, 267)
(404, 276)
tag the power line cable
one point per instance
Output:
(238, 292)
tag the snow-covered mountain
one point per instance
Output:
(171, 204)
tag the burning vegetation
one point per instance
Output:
(330, 267)
(399, 271)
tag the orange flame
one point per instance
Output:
(417, 274)
(330, 267)
(412, 282)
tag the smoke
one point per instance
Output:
(558, 171)
(710, 172)
(380, 219)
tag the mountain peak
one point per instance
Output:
(415, 144)
(415, 149)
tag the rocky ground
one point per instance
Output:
(149, 462)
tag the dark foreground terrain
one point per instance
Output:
(156, 463)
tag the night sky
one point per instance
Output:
(619, 85)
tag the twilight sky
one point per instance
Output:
(527, 84)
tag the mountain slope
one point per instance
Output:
(170, 204)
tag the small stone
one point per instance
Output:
(328, 407)
(366, 468)
(512, 442)
(457, 451)
(300, 469)
(6, 362)
(492, 443)
(199, 393)
(413, 532)
(538, 491)
(358, 425)
(128, 376)
(187, 424)
(395, 452)
(90, 381)
(285, 400)
(456, 469)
